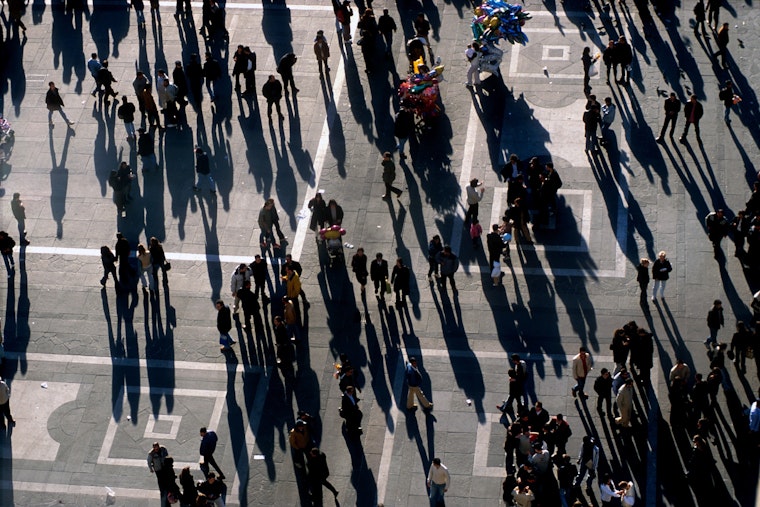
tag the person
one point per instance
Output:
(494, 245)
(607, 117)
(754, 420)
(627, 493)
(519, 216)
(290, 316)
(203, 169)
(672, 107)
(368, 29)
(516, 391)
(422, 28)
(389, 176)
(318, 209)
(624, 56)
(386, 25)
(272, 91)
(588, 460)
(550, 185)
(126, 112)
(212, 71)
(292, 264)
(189, 490)
(434, 248)
(350, 411)
(359, 267)
(582, 365)
(403, 128)
(449, 265)
(158, 257)
(475, 192)
(740, 342)
(179, 78)
(139, 84)
(472, 54)
(603, 388)
(19, 213)
(240, 65)
(538, 417)
(722, 41)
(729, 98)
(523, 496)
(476, 231)
(105, 78)
(318, 474)
(146, 269)
(207, 448)
(624, 401)
(680, 370)
(224, 325)
(642, 276)
(610, 60)
(438, 481)
(213, 490)
(400, 277)
(334, 213)
(322, 51)
(413, 383)
(607, 491)
(292, 284)
(587, 60)
(241, 275)
(661, 269)
(151, 109)
(94, 65)
(54, 102)
(5, 405)
(146, 150)
(699, 18)
(714, 323)
(343, 13)
(266, 224)
(285, 70)
(716, 224)
(693, 111)
(108, 259)
(378, 273)
(260, 274)
(156, 461)
(591, 118)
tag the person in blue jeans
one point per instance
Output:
(438, 482)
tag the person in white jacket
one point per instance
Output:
(241, 275)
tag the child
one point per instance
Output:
(475, 231)
(643, 277)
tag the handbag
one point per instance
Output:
(750, 354)
(167, 266)
(388, 289)
(593, 69)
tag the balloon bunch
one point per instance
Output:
(420, 91)
(496, 19)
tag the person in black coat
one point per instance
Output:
(494, 245)
(318, 474)
(693, 111)
(318, 209)
(180, 81)
(104, 79)
(661, 269)
(403, 128)
(624, 56)
(285, 69)
(224, 325)
(400, 277)
(672, 108)
(359, 267)
(194, 72)
(350, 411)
(272, 91)
(334, 213)
(212, 71)
(249, 304)
(378, 272)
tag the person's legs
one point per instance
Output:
(209, 459)
(663, 283)
(421, 396)
(696, 131)
(726, 114)
(401, 144)
(655, 286)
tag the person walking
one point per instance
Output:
(588, 460)
(475, 192)
(94, 65)
(260, 274)
(378, 273)
(386, 25)
(224, 325)
(359, 267)
(318, 474)
(108, 259)
(156, 462)
(403, 128)
(624, 56)
(661, 269)
(5, 406)
(322, 52)
(472, 54)
(126, 113)
(241, 275)
(19, 213)
(582, 365)
(449, 265)
(714, 323)
(722, 41)
(713, 13)
(272, 91)
(285, 70)
(693, 111)
(146, 269)
(607, 118)
(603, 388)
(389, 176)
(699, 18)
(158, 258)
(414, 383)
(434, 248)
(624, 401)
(266, 224)
(207, 448)
(609, 59)
(591, 119)
(105, 78)
(212, 71)
(716, 224)
(642, 276)
(54, 102)
(438, 482)
(350, 411)
(672, 108)
(203, 169)
(343, 13)
(494, 245)
(729, 98)
(516, 390)
(400, 278)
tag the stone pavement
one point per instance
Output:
(574, 287)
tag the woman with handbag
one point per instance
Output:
(159, 259)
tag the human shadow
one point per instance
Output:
(109, 24)
(12, 73)
(285, 182)
(125, 351)
(337, 139)
(276, 26)
(59, 181)
(208, 212)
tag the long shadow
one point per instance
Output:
(376, 365)
(748, 110)
(432, 163)
(257, 153)
(285, 181)
(59, 181)
(276, 25)
(214, 265)
(382, 91)
(153, 192)
(67, 45)
(490, 103)
(16, 331)
(223, 164)
(159, 348)
(337, 138)
(126, 367)
(12, 69)
(109, 24)
(356, 97)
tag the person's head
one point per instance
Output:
(314, 451)
(211, 477)
(156, 446)
(208, 55)
(605, 372)
(104, 63)
(608, 101)
(719, 213)
(644, 261)
(622, 40)
(141, 248)
(679, 361)
(495, 227)
(94, 56)
(436, 462)
(332, 203)
(718, 303)
(583, 350)
(360, 251)
(271, 78)
(387, 155)
(399, 262)
(288, 258)
(611, 43)
(277, 320)
(474, 182)
(437, 238)
(511, 373)
(379, 256)
(729, 84)
(586, 50)
(447, 249)
(203, 431)
(693, 98)
(178, 64)
(413, 361)
(698, 377)
(269, 203)
(673, 96)
(350, 390)
(606, 478)
(154, 241)
(662, 255)
(550, 166)
(16, 196)
(257, 259)
(219, 304)
(385, 12)
(51, 84)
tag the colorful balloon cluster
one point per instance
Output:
(495, 20)
(420, 91)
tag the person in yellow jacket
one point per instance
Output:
(300, 442)
(292, 283)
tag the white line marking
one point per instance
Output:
(387, 456)
(464, 180)
(71, 489)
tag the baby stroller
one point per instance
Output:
(332, 240)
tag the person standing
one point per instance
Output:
(146, 268)
(624, 56)
(350, 411)
(5, 405)
(224, 325)
(587, 60)
(318, 474)
(212, 71)
(386, 25)
(608, 492)
(378, 273)
(729, 99)
(472, 54)
(343, 13)
(672, 108)
(642, 276)
(272, 91)
(290, 316)
(414, 383)
(108, 259)
(140, 82)
(607, 118)
(6, 249)
(54, 102)
(241, 275)
(699, 18)
(94, 65)
(368, 29)
(249, 303)
(146, 150)
(123, 251)
(285, 69)
(151, 109)
(389, 176)
(550, 185)
(260, 274)
(438, 481)
(203, 169)
(475, 192)
(591, 118)
(293, 285)
(208, 446)
(582, 365)
(717, 227)
(714, 323)
(359, 267)
(494, 245)
(180, 81)
(266, 224)
(603, 388)
(693, 111)
(322, 51)
(449, 265)
(158, 258)
(19, 213)
(722, 41)
(240, 66)
(400, 277)
(156, 459)
(434, 248)
(661, 269)
(609, 59)
(126, 113)
(403, 128)
(624, 401)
